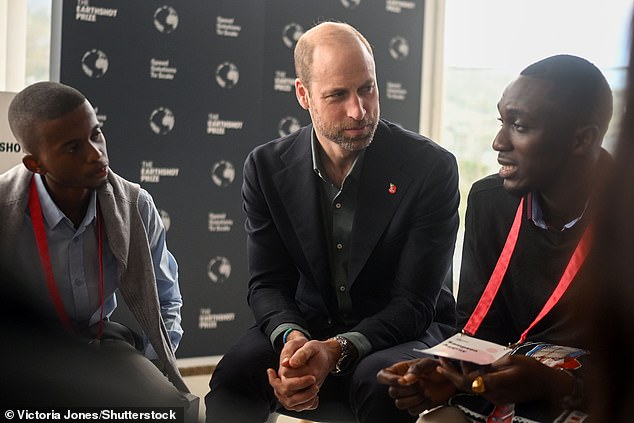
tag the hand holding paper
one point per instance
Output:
(466, 348)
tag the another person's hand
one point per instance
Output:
(513, 379)
(416, 386)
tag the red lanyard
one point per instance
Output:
(577, 259)
(42, 245)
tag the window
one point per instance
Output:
(38, 40)
(25, 32)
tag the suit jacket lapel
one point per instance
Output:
(300, 196)
(376, 204)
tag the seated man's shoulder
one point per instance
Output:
(417, 154)
(410, 139)
(489, 197)
(284, 142)
(17, 171)
(491, 184)
(122, 185)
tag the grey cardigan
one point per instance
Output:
(128, 241)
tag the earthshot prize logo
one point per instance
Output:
(223, 173)
(95, 63)
(227, 75)
(162, 121)
(291, 33)
(351, 4)
(399, 48)
(86, 13)
(219, 269)
(282, 82)
(166, 19)
(152, 174)
(209, 320)
(218, 126)
(288, 125)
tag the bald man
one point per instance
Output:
(351, 225)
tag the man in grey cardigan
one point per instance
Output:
(75, 232)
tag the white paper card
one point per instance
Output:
(466, 348)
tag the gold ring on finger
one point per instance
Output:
(477, 386)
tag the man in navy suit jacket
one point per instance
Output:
(351, 225)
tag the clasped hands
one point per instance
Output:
(423, 384)
(304, 366)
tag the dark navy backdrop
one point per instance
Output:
(185, 89)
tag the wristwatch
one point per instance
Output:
(347, 357)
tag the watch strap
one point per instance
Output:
(347, 355)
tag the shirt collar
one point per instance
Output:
(318, 167)
(537, 214)
(53, 215)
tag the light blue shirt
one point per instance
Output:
(537, 215)
(75, 260)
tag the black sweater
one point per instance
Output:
(536, 266)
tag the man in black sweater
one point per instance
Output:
(536, 212)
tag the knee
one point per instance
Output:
(245, 363)
(370, 400)
(246, 367)
(364, 380)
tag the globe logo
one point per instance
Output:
(223, 173)
(165, 218)
(162, 121)
(288, 125)
(351, 4)
(291, 34)
(227, 75)
(94, 63)
(399, 48)
(219, 269)
(166, 19)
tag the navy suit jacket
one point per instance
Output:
(401, 243)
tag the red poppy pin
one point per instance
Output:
(392, 189)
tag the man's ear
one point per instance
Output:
(587, 138)
(32, 164)
(301, 92)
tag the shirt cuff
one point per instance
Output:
(283, 328)
(360, 342)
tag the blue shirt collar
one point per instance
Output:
(537, 214)
(53, 215)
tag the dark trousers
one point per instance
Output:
(240, 391)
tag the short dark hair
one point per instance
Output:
(38, 102)
(578, 85)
